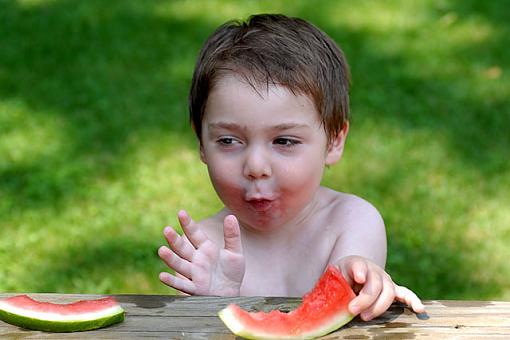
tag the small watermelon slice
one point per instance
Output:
(83, 315)
(323, 310)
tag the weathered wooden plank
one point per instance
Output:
(429, 333)
(345, 333)
(170, 305)
(179, 317)
(203, 306)
(117, 335)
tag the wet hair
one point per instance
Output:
(273, 49)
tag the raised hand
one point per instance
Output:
(201, 266)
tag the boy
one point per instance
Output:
(269, 105)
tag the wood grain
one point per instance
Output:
(180, 317)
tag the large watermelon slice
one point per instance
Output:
(82, 315)
(323, 310)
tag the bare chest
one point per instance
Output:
(290, 271)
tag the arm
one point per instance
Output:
(360, 253)
(362, 232)
(201, 266)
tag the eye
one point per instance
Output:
(225, 141)
(286, 141)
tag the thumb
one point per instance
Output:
(232, 234)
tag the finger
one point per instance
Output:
(179, 244)
(358, 270)
(232, 235)
(355, 271)
(368, 294)
(191, 229)
(173, 261)
(408, 297)
(382, 302)
(182, 284)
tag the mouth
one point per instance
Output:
(260, 205)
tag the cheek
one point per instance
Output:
(305, 168)
(223, 178)
(301, 178)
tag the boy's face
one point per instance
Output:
(265, 151)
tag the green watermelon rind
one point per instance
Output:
(76, 325)
(230, 320)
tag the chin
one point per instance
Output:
(266, 221)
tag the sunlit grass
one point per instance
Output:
(49, 133)
(97, 156)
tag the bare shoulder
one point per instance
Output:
(359, 228)
(352, 211)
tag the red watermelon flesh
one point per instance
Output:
(323, 310)
(82, 315)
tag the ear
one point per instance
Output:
(202, 153)
(336, 147)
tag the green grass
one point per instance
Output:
(96, 154)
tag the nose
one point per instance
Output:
(257, 164)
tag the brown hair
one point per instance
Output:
(274, 49)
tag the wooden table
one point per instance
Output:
(178, 317)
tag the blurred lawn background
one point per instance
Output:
(97, 156)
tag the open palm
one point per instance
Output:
(201, 266)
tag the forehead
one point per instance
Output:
(233, 96)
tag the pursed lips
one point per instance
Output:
(260, 204)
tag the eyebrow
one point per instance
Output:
(290, 126)
(225, 125)
(279, 127)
